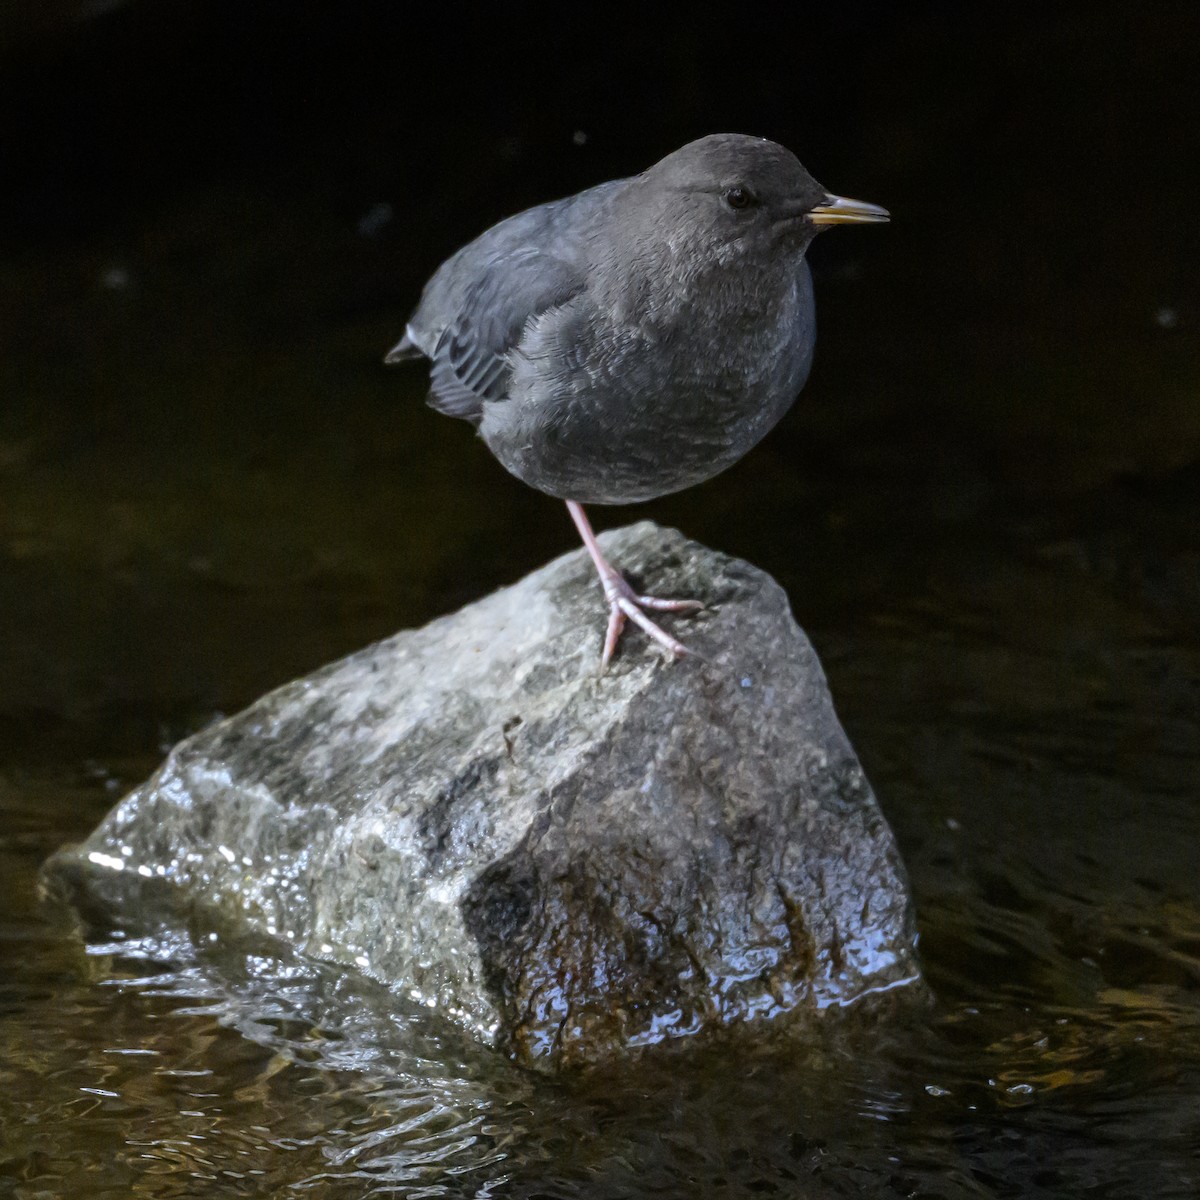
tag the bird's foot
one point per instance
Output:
(624, 603)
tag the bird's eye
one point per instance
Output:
(740, 197)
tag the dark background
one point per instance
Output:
(217, 215)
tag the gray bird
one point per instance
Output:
(637, 338)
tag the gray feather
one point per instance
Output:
(637, 338)
(403, 350)
(475, 309)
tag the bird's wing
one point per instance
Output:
(476, 307)
(470, 356)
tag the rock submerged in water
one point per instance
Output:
(564, 862)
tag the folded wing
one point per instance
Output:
(471, 354)
(475, 309)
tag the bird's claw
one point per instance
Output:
(624, 603)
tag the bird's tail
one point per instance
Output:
(404, 349)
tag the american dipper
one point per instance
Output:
(636, 338)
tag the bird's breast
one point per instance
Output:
(617, 408)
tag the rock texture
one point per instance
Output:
(566, 863)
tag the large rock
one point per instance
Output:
(565, 862)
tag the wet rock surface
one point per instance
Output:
(562, 862)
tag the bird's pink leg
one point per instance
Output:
(623, 601)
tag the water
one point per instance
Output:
(1060, 931)
(985, 511)
(1024, 701)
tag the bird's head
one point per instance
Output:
(730, 191)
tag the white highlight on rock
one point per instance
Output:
(106, 860)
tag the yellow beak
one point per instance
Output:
(838, 210)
